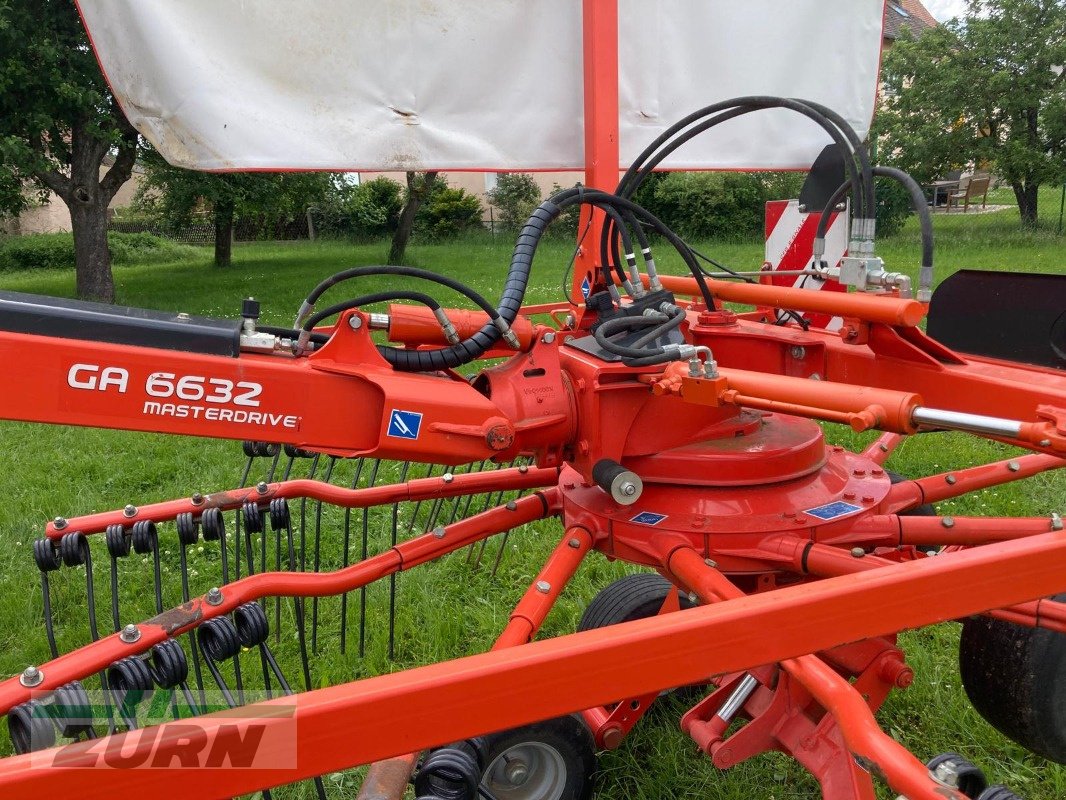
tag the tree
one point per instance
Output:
(57, 123)
(175, 194)
(419, 185)
(515, 195)
(988, 88)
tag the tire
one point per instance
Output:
(550, 760)
(629, 598)
(1015, 678)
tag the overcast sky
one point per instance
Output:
(945, 9)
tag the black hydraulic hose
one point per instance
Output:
(367, 299)
(672, 323)
(411, 272)
(627, 324)
(615, 217)
(749, 104)
(917, 201)
(925, 218)
(290, 333)
(597, 197)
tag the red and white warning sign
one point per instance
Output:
(790, 246)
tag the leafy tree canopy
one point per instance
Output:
(988, 89)
(57, 123)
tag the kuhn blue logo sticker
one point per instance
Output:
(833, 510)
(648, 518)
(586, 287)
(405, 424)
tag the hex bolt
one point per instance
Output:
(710, 562)
(130, 634)
(447, 477)
(517, 770)
(951, 480)
(184, 316)
(628, 489)
(197, 499)
(214, 596)
(511, 505)
(31, 676)
(574, 543)
(438, 532)
(948, 522)
(543, 587)
(883, 448)
(1013, 466)
(130, 510)
(355, 322)
(1056, 522)
(1044, 443)
(261, 487)
(59, 523)
(799, 352)
(548, 338)
(523, 469)
(857, 552)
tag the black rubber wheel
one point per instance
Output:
(632, 597)
(1016, 679)
(550, 760)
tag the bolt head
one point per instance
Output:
(543, 587)
(517, 773)
(628, 489)
(197, 499)
(798, 352)
(355, 322)
(130, 634)
(857, 552)
(447, 477)
(31, 676)
(948, 522)
(548, 338)
(951, 480)
(511, 505)
(1013, 466)
(438, 532)
(214, 596)
(710, 562)
(574, 543)
(130, 510)
(261, 487)
(59, 523)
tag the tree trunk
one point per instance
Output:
(1026, 195)
(415, 195)
(223, 232)
(93, 260)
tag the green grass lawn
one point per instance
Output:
(453, 608)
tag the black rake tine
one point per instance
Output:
(418, 505)
(115, 617)
(365, 553)
(189, 636)
(318, 555)
(344, 555)
(499, 553)
(49, 622)
(298, 610)
(392, 578)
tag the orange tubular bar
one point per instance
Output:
(871, 308)
(472, 695)
(419, 489)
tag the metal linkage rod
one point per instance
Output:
(444, 486)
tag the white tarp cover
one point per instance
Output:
(458, 84)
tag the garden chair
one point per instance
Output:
(976, 186)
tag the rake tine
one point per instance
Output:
(49, 622)
(499, 554)
(392, 578)
(344, 555)
(318, 556)
(365, 554)
(418, 505)
(185, 594)
(298, 609)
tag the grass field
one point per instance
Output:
(451, 609)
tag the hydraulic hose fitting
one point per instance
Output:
(507, 334)
(450, 333)
(305, 312)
